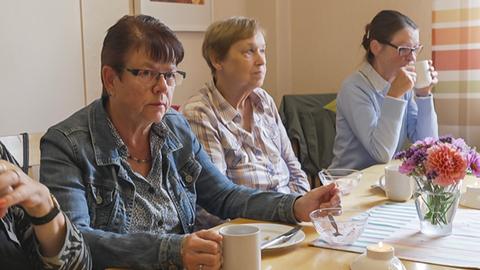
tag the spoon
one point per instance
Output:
(334, 225)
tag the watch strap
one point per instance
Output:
(48, 217)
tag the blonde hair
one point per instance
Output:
(221, 35)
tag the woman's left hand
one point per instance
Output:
(17, 188)
(423, 92)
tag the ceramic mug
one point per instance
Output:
(424, 78)
(241, 247)
(397, 186)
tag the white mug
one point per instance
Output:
(424, 78)
(397, 186)
(241, 247)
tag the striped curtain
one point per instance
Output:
(456, 56)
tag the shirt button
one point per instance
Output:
(160, 223)
(151, 190)
(99, 199)
(188, 178)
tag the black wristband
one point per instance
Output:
(48, 217)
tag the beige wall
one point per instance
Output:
(311, 47)
(326, 37)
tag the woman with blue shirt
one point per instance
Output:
(377, 106)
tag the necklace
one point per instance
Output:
(139, 160)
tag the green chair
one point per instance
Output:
(310, 124)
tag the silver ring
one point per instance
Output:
(200, 267)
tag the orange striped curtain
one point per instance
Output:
(456, 56)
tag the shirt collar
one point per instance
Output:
(225, 110)
(372, 76)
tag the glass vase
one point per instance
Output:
(436, 209)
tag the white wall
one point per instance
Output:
(41, 75)
(50, 50)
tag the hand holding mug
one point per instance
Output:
(403, 82)
(202, 250)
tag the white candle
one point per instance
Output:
(380, 251)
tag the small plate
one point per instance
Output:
(269, 231)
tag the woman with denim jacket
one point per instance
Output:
(34, 233)
(132, 171)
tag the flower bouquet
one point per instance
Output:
(438, 166)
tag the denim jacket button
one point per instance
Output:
(99, 200)
(151, 190)
(188, 178)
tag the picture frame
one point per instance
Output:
(176, 15)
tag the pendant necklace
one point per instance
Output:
(138, 160)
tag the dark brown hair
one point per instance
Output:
(140, 32)
(221, 35)
(382, 28)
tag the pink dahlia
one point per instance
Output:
(447, 164)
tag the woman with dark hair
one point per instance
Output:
(34, 233)
(129, 171)
(378, 107)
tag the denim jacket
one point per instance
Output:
(81, 166)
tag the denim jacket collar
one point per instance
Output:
(105, 149)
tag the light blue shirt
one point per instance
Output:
(372, 127)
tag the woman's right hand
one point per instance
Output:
(403, 82)
(17, 188)
(202, 250)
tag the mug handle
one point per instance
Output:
(381, 182)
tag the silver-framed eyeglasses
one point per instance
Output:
(404, 50)
(150, 77)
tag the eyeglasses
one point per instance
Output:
(403, 50)
(151, 77)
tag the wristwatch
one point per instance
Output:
(48, 217)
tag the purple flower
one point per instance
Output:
(473, 159)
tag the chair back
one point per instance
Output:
(18, 147)
(310, 126)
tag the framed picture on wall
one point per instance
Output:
(179, 15)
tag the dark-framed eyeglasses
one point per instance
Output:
(404, 50)
(150, 77)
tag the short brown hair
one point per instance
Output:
(135, 33)
(221, 35)
(382, 28)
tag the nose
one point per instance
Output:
(160, 85)
(260, 59)
(412, 56)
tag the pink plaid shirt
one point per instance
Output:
(262, 159)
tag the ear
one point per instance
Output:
(375, 47)
(217, 64)
(108, 77)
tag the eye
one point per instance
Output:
(404, 50)
(169, 75)
(146, 74)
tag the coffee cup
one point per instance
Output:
(424, 78)
(241, 247)
(397, 186)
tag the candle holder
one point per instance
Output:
(379, 257)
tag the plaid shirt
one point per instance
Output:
(262, 159)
